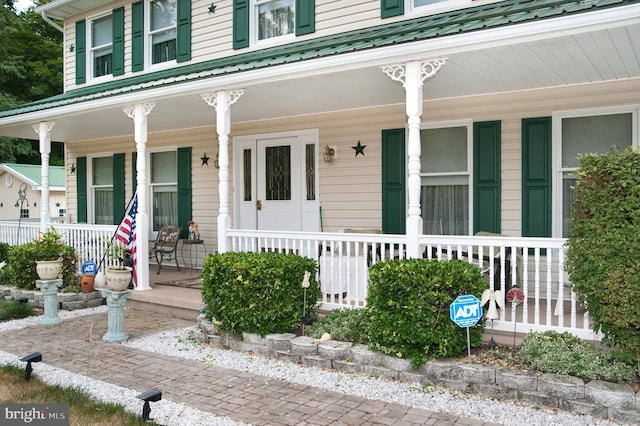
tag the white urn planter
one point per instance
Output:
(48, 269)
(118, 279)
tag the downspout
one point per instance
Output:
(51, 22)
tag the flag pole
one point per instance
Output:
(124, 214)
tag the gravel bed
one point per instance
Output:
(181, 343)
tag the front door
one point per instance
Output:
(276, 182)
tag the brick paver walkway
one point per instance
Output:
(76, 345)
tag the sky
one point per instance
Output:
(22, 4)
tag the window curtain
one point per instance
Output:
(165, 207)
(275, 19)
(445, 209)
(104, 206)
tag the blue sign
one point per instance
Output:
(89, 267)
(466, 310)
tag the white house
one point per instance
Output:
(20, 192)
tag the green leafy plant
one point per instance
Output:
(48, 246)
(564, 353)
(603, 259)
(347, 325)
(258, 292)
(408, 307)
(117, 250)
(14, 309)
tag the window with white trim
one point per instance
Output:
(586, 132)
(164, 188)
(445, 172)
(24, 213)
(420, 6)
(273, 18)
(101, 46)
(102, 190)
(162, 30)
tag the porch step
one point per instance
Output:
(183, 303)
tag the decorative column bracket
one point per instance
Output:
(428, 69)
(232, 97)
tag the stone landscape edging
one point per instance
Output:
(66, 301)
(597, 398)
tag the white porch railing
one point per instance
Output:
(88, 240)
(536, 265)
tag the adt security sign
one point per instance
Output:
(89, 267)
(466, 310)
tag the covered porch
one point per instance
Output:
(535, 265)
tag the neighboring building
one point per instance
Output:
(444, 117)
(20, 187)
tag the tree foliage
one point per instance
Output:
(30, 69)
(603, 259)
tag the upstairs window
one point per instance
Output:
(420, 6)
(257, 21)
(101, 46)
(162, 30)
(274, 18)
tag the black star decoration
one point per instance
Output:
(205, 159)
(212, 8)
(359, 149)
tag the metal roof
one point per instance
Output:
(463, 21)
(31, 174)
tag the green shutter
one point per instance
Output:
(118, 188)
(536, 177)
(184, 189)
(81, 188)
(486, 177)
(81, 53)
(137, 36)
(118, 41)
(240, 24)
(183, 41)
(389, 8)
(134, 171)
(305, 17)
(394, 214)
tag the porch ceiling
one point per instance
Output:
(580, 57)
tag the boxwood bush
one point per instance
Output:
(22, 266)
(603, 259)
(258, 292)
(408, 307)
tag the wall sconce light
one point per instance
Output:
(216, 162)
(152, 395)
(329, 153)
(34, 357)
(73, 169)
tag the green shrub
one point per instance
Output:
(603, 259)
(564, 353)
(14, 310)
(4, 252)
(346, 325)
(49, 246)
(258, 292)
(408, 307)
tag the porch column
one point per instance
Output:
(139, 113)
(412, 76)
(222, 101)
(43, 129)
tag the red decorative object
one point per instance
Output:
(515, 295)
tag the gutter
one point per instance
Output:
(51, 22)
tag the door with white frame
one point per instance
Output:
(276, 181)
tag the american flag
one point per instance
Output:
(126, 233)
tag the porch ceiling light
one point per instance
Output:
(329, 154)
(152, 395)
(34, 357)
